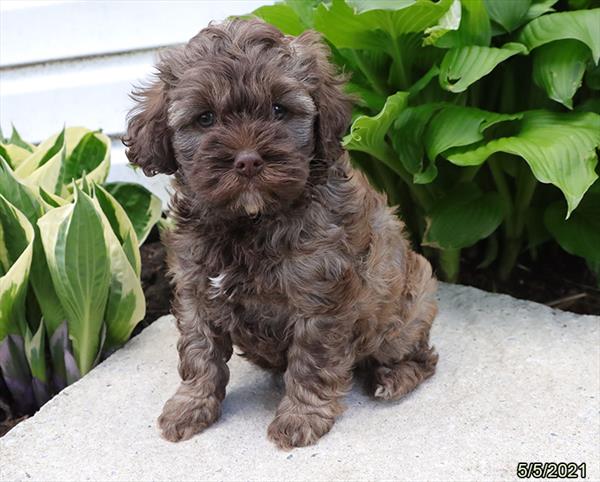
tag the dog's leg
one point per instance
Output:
(318, 375)
(203, 355)
(394, 379)
(405, 359)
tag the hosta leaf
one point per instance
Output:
(539, 7)
(448, 22)
(361, 6)
(47, 151)
(462, 218)
(48, 176)
(63, 362)
(15, 139)
(580, 234)
(281, 16)
(14, 155)
(582, 25)
(35, 351)
(345, 29)
(559, 148)
(126, 304)
(77, 254)
(367, 134)
(141, 206)
(19, 194)
(459, 126)
(558, 68)
(121, 226)
(33, 208)
(91, 151)
(15, 371)
(508, 14)
(361, 25)
(16, 249)
(474, 27)
(462, 66)
(407, 139)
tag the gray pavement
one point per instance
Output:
(516, 382)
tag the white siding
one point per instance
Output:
(74, 62)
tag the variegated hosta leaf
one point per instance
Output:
(63, 362)
(90, 154)
(15, 372)
(78, 259)
(559, 148)
(582, 25)
(462, 66)
(33, 207)
(558, 68)
(16, 250)
(35, 351)
(65, 157)
(121, 226)
(13, 155)
(126, 303)
(47, 151)
(141, 206)
(367, 134)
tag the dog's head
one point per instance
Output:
(244, 114)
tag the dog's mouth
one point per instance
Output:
(251, 201)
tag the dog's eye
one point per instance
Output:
(279, 111)
(206, 119)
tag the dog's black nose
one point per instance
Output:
(248, 163)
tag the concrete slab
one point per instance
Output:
(517, 382)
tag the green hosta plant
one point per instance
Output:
(70, 265)
(478, 117)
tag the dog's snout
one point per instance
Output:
(248, 163)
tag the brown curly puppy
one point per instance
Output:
(280, 247)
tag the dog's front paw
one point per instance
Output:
(182, 417)
(289, 430)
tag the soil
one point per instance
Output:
(155, 282)
(554, 278)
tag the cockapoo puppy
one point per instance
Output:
(280, 247)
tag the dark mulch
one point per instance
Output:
(554, 278)
(154, 281)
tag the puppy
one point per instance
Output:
(280, 247)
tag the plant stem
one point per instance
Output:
(400, 71)
(371, 76)
(450, 264)
(515, 213)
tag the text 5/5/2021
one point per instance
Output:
(551, 470)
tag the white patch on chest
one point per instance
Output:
(216, 285)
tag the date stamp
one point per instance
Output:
(550, 470)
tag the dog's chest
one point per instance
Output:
(253, 291)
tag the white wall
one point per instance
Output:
(74, 62)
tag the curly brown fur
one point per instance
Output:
(302, 265)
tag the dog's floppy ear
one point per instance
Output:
(334, 107)
(148, 137)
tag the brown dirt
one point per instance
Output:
(554, 278)
(154, 281)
